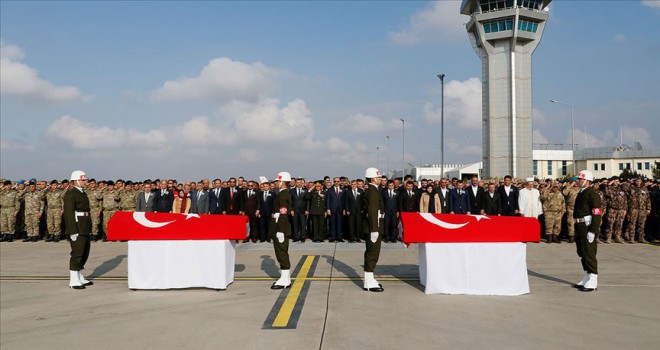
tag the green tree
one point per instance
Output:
(628, 174)
(655, 170)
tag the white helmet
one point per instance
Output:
(371, 173)
(262, 180)
(283, 176)
(586, 174)
(78, 175)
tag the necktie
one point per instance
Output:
(299, 192)
(391, 194)
(355, 193)
(410, 193)
(232, 193)
(337, 190)
(199, 195)
(265, 196)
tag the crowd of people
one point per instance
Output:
(332, 209)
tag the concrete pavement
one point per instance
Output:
(39, 311)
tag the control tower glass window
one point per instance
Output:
(494, 5)
(530, 4)
(499, 25)
(527, 26)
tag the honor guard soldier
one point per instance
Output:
(78, 226)
(54, 206)
(9, 207)
(281, 230)
(587, 214)
(375, 209)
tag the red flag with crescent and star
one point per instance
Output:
(139, 226)
(458, 228)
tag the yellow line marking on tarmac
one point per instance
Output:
(284, 315)
(248, 279)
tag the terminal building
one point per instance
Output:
(504, 34)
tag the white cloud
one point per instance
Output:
(86, 136)
(20, 81)
(438, 21)
(641, 135)
(651, 3)
(222, 79)
(267, 122)
(462, 104)
(361, 123)
(537, 137)
(620, 38)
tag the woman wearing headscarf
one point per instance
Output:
(429, 201)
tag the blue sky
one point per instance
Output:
(215, 89)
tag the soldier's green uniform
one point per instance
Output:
(587, 203)
(281, 205)
(639, 201)
(127, 200)
(9, 207)
(373, 202)
(616, 212)
(571, 194)
(34, 208)
(77, 221)
(54, 207)
(554, 206)
(95, 206)
(110, 205)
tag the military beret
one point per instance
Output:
(53, 182)
(20, 182)
(33, 180)
(119, 180)
(92, 180)
(32, 183)
(111, 183)
(65, 181)
(6, 182)
(129, 182)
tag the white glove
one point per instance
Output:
(276, 216)
(374, 237)
(590, 237)
(280, 237)
(587, 220)
(74, 237)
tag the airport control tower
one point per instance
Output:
(505, 33)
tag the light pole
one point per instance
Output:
(572, 133)
(442, 126)
(377, 157)
(403, 148)
(388, 155)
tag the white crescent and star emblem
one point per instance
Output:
(141, 218)
(435, 221)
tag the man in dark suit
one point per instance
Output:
(232, 199)
(266, 197)
(408, 199)
(445, 198)
(492, 204)
(353, 207)
(476, 194)
(391, 201)
(508, 197)
(215, 195)
(460, 201)
(163, 199)
(335, 207)
(199, 201)
(145, 199)
(299, 205)
(251, 206)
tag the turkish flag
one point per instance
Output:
(139, 226)
(458, 228)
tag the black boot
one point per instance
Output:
(49, 238)
(10, 238)
(555, 238)
(35, 239)
(27, 239)
(56, 238)
(3, 237)
(571, 239)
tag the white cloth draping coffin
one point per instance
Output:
(474, 268)
(181, 264)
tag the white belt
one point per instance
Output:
(80, 213)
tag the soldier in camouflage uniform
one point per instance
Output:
(95, 196)
(554, 207)
(127, 198)
(600, 188)
(9, 206)
(570, 193)
(110, 203)
(617, 199)
(639, 206)
(20, 217)
(54, 207)
(34, 208)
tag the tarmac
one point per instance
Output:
(39, 311)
